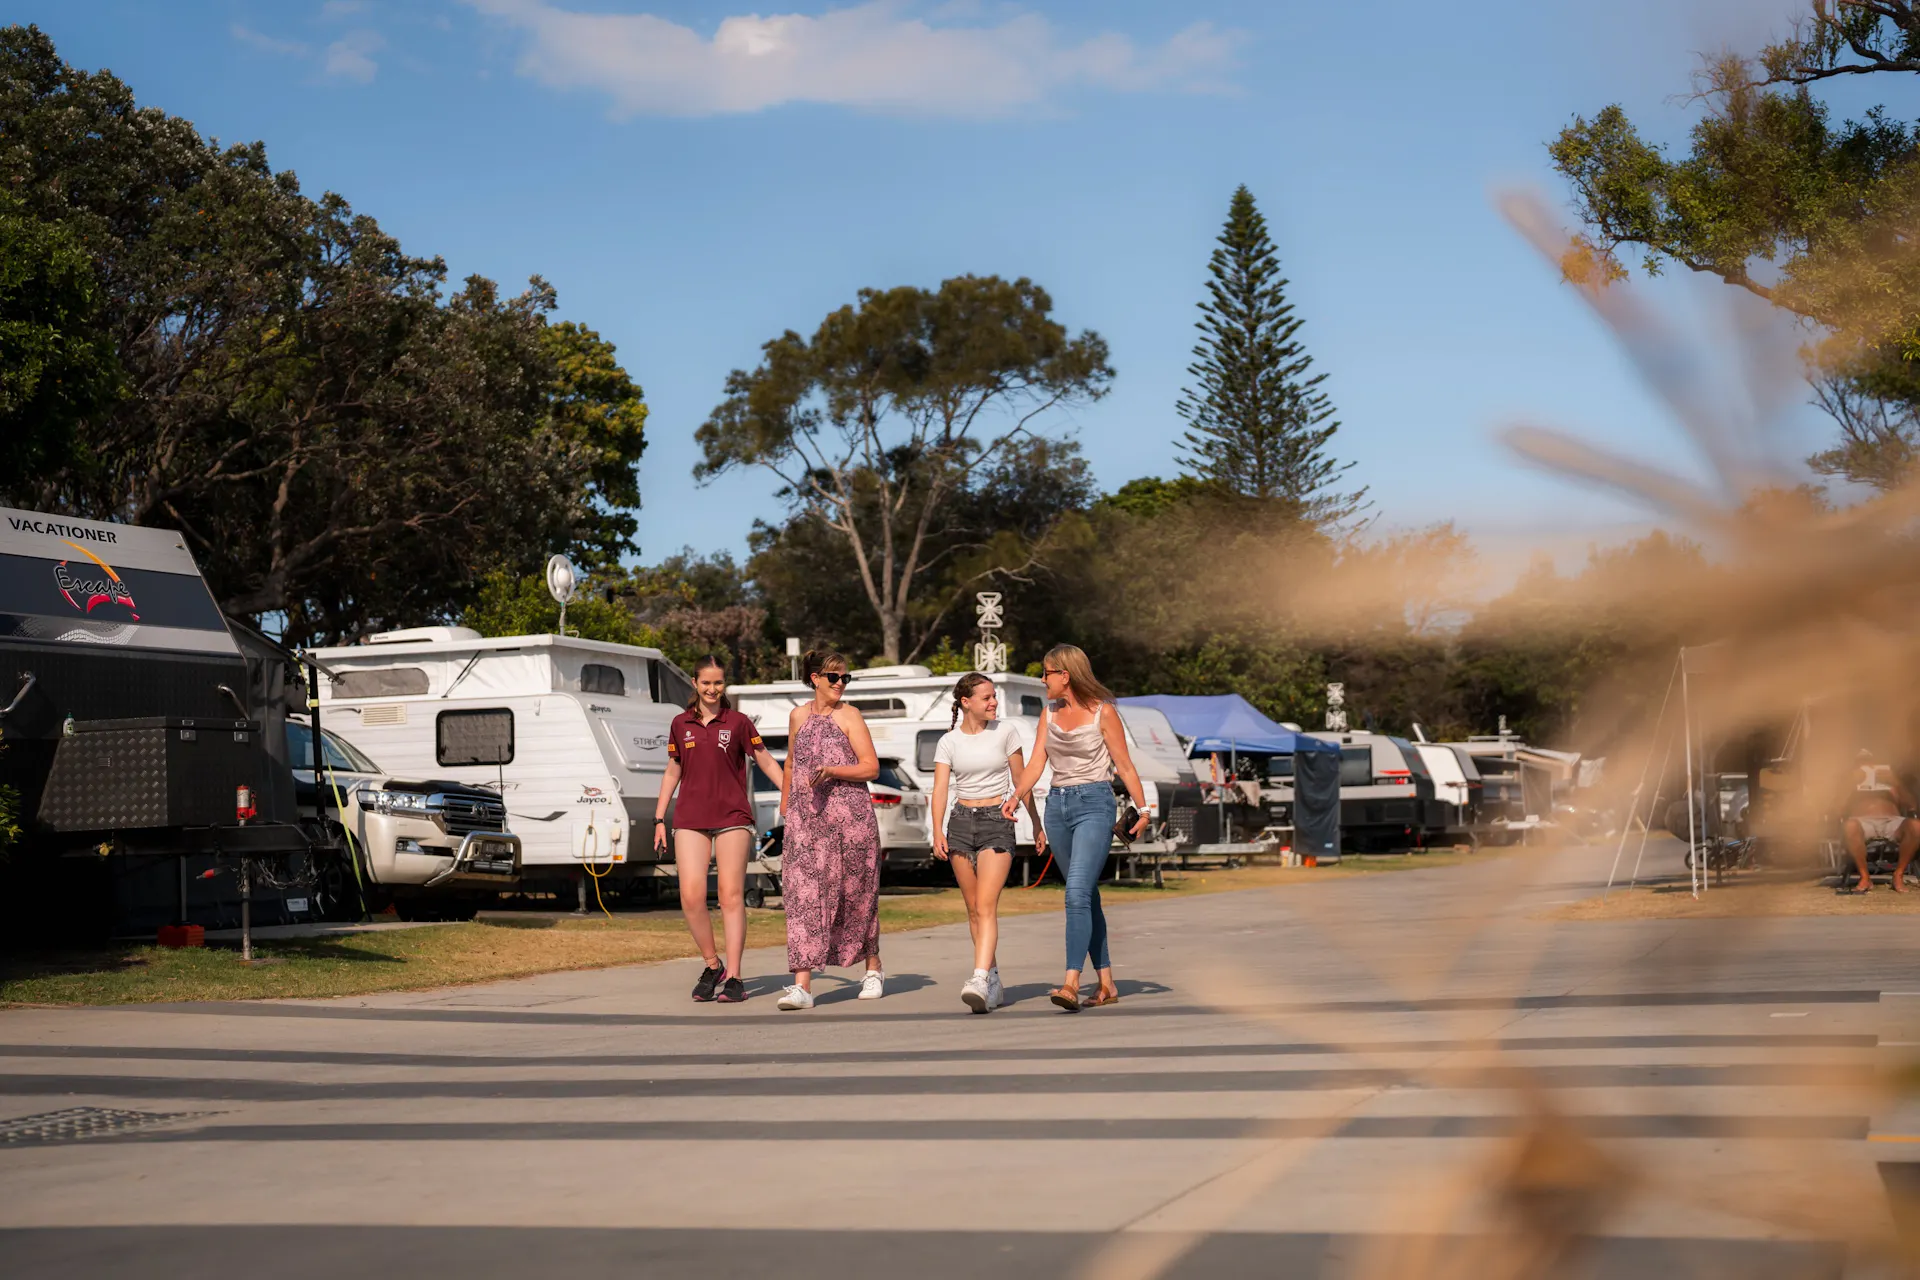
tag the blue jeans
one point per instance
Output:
(1080, 830)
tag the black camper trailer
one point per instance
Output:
(144, 739)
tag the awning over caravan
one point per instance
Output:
(70, 581)
(1561, 764)
(1228, 722)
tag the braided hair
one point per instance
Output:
(963, 690)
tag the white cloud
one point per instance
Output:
(351, 56)
(879, 56)
(266, 43)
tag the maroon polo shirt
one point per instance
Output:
(713, 769)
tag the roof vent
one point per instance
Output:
(425, 635)
(910, 671)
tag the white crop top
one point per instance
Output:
(978, 761)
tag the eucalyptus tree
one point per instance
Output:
(1776, 197)
(889, 409)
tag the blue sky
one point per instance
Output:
(694, 181)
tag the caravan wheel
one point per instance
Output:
(756, 895)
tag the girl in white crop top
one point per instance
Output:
(978, 759)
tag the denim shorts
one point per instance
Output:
(971, 832)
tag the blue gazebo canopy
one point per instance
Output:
(1227, 722)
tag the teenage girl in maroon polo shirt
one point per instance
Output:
(707, 749)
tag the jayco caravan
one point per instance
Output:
(578, 727)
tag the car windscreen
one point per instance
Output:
(892, 775)
(340, 754)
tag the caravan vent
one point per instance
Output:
(387, 713)
(879, 708)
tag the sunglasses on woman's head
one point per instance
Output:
(836, 677)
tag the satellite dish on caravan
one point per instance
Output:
(562, 581)
(562, 584)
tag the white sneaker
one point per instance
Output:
(977, 994)
(795, 997)
(874, 985)
(996, 994)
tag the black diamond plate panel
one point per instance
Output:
(121, 775)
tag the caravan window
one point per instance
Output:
(1356, 766)
(925, 743)
(381, 682)
(596, 677)
(1280, 767)
(879, 708)
(1031, 706)
(474, 737)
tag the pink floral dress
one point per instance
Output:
(830, 858)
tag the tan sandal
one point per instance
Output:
(1068, 1000)
(1104, 998)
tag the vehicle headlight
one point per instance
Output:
(405, 803)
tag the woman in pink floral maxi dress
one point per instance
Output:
(830, 858)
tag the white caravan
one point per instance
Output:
(580, 724)
(908, 707)
(1160, 755)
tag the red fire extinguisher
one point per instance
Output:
(243, 803)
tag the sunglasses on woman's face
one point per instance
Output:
(836, 677)
(1052, 673)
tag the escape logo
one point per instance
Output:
(94, 590)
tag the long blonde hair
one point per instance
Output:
(1072, 659)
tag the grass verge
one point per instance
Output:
(1738, 899)
(504, 945)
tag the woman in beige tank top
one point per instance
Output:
(1082, 738)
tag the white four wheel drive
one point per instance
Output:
(433, 849)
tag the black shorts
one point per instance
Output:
(971, 832)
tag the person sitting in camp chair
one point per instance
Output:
(1876, 811)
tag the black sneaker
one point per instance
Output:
(733, 991)
(709, 979)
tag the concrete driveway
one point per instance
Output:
(1306, 1081)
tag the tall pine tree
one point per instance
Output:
(1258, 423)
